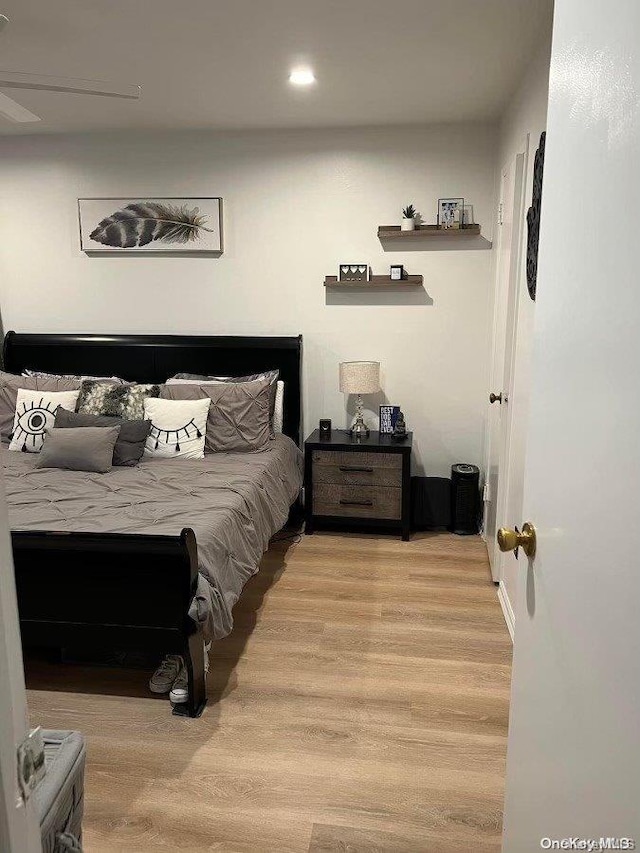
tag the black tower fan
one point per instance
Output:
(465, 498)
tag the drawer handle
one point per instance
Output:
(356, 469)
(356, 503)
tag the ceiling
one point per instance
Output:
(224, 63)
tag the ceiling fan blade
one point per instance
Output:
(14, 111)
(75, 85)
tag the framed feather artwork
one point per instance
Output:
(150, 225)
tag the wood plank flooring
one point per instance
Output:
(360, 704)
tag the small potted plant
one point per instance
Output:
(408, 218)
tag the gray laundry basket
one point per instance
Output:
(60, 796)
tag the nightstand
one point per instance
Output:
(363, 484)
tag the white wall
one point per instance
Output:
(295, 205)
(527, 110)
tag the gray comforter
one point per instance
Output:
(234, 502)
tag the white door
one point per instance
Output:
(19, 828)
(517, 384)
(573, 768)
(509, 231)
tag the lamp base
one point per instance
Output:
(359, 430)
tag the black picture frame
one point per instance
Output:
(388, 415)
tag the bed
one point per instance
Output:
(149, 558)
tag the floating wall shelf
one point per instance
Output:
(376, 281)
(395, 232)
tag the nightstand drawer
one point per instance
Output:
(346, 458)
(355, 473)
(357, 501)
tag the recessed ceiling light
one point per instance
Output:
(302, 77)
(3, 22)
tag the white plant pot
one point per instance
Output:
(407, 224)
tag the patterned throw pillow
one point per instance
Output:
(35, 413)
(121, 401)
(9, 385)
(178, 428)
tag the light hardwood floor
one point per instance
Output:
(360, 704)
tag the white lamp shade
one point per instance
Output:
(360, 377)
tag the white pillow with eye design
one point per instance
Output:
(35, 413)
(178, 428)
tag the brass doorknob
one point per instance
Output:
(493, 398)
(511, 540)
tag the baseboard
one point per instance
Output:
(507, 610)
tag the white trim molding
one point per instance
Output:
(507, 609)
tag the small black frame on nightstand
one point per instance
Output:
(358, 484)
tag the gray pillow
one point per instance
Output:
(130, 444)
(271, 375)
(40, 374)
(252, 377)
(9, 385)
(82, 449)
(238, 417)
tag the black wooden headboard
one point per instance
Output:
(154, 358)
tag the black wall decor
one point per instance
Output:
(533, 218)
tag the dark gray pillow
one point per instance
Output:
(82, 449)
(130, 444)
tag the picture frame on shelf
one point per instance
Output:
(450, 213)
(354, 272)
(388, 418)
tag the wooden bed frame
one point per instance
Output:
(119, 590)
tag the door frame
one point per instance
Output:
(503, 348)
(19, 824)
(519, 292)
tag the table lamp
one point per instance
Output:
(359, 377)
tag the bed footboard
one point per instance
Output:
(113, 590)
